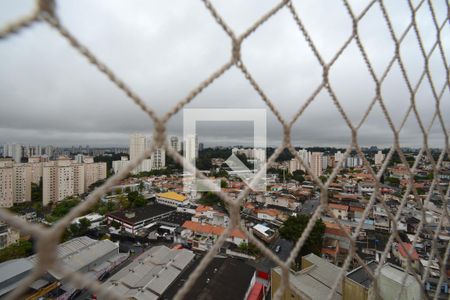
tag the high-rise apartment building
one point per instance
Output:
(191, 148)
(139, 143)
(22, 183)
(61, 178)
(14, 151)
(49, 151)
(118, 165)
(305, 155)
(324, 162)
(6, 183)
(93, 171)
(158, 159)
(338, 156)
(36, 165)
(260, 155)
(294, 165)
(379, 158)
(175, 143)
(353, 161)
(316, 163)
(15, 183)
(64, 177)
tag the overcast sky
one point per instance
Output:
(49, 94)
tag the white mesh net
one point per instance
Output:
(48, 238)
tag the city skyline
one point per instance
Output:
(86, 109)
(311, 147)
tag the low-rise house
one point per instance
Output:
(8, 236)
(267, 214)
(207, 214)
(265, 233)
(330, 250)
(333, 232)
(340, 211)
(380, 216)
(94, 218)
(366, 188)
(282, 201)
(401, 253)
(355, 213)
(201, 236)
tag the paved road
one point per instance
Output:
(265, 264)
(310, 206)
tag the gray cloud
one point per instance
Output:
(162, 50)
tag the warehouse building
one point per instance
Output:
(85, 255)
(224, 278)
(149, 276)
(138, 218)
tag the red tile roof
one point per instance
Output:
(414, 255)
(338, 206)
(271, 212)
(211, 229)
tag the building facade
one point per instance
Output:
(191, 148)
(64, 177)
(379, 158)
(139, 143)
(316, 163)
(15, 183)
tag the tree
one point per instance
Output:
(298, 176)
(136, 200)
(222, 173)
(62, 208)
(140, 201)
(36, 192)
(123, 201)
(223, 184)
(17, 250)
(249, 248)
(84, 224)
(141, 186)
(210, 198)
(393, 181)
(115, 224)
(96, 184)
(293, 228)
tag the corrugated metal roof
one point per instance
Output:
(69, 247)
(151, 274)
(18, 268)
(317, 280)
(14, 267)
(396, 274)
